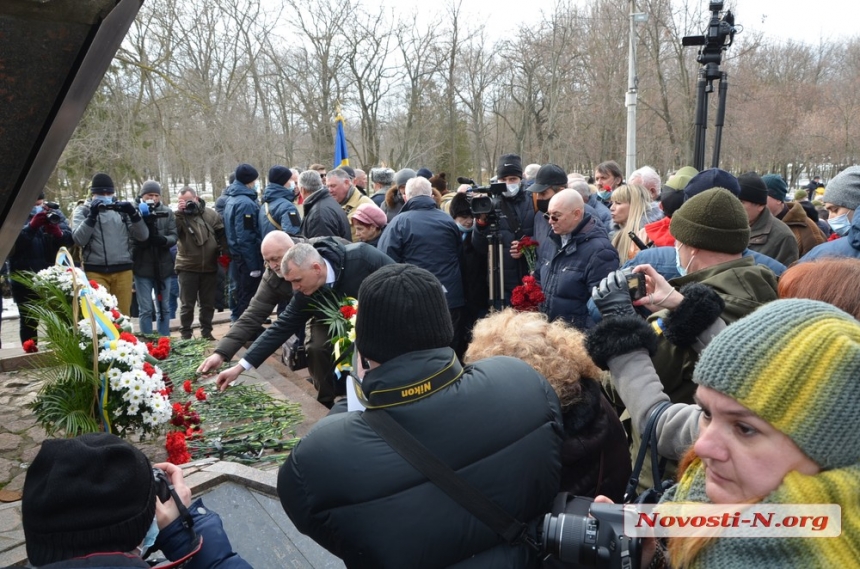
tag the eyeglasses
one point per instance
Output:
(552, 216)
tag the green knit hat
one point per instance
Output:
(713, 220)
(796, 364)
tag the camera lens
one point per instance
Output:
(571, 538)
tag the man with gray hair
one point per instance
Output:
(323, 216)
(425, 236)
(647, 177)
(339, 184)
(592, 204)
(316, 271)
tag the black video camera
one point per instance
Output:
(485, 200)
(590, 535)
(720, 35)
(53, 217)
(109, 206)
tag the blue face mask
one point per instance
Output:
(149, 538)
(840, 225)
(103, 200)
(464, 229)
(36, 210)
(604, 195)
(681, 270)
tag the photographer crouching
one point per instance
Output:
(96, 501)
(153, 263)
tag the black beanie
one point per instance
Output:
(150, 187)
(459, 206)
(713, 220)
(246, 173)
(401, 309)
(91, 494)
(280, 175)
(102, 184)
(753, 188)
(509, 165)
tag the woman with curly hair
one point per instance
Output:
(595, 459)
(629, 209)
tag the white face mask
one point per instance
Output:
(513, 189)
(840, 225)
(681, 270)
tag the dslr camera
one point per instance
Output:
(589, 535)
(162, 485)
(53, 217)
(191, 208)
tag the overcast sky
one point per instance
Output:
(778, 19)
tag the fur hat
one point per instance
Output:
(753, 188)
(102, 184)
(795, 364)
(370, 214)
(402, 308)
(384, 176)
(279, 175)
(844, 189)
(460, 206)
(711, 178)
(90, 494)
(246, 173)
(510, 165)
(150, 187)
(714, 220)
(776, 186)
(439, 182)
(549, 176)
(403, 176)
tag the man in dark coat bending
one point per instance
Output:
(497, 423)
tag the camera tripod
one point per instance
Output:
(496, 269)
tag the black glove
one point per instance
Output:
(94, 213)
(126, 208)
(612, 297)
(158, 240)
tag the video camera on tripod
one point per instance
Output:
(720, 35)
(485, 200)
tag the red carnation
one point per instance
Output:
(94, 284)
(148, 369)
(30, 346)
(200, 394)
(347, 311)
(177, 449)
(116, 316)
(187, 386)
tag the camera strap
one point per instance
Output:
(491, 514)
(648, 442)
(272, 219)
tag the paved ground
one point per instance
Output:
(250, 496)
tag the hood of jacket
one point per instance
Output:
(274, 192)
(854, 232)
(239, 189)
(393, 197)
(332, 250)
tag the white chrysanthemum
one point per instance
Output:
(132, 410)
(126, 380)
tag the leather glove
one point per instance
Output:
(94, 212)
(39, 220)
(54, 231)
(158, 240)
(612, 297)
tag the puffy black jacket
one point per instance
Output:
(242, 226)
(352, 263)
(520, 207)
(567, 274)
(425, 236)
(323, 217)
(152, 260)
(498, 426)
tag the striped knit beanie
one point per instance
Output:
(796, 364)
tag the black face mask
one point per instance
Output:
(543, 205)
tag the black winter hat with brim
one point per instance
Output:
(401, 309)
(91, 494)
(713, 220)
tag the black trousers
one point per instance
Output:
(321, 364)
(28, 326)
(197, 288)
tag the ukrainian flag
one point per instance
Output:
(341, 156)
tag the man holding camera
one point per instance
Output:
(153, 263)
(105, 229)
(35, 249)
(515, 220)
(200, 241)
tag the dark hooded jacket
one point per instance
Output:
(498, 426)
(425, 236)
(151, 259)
(567, 274)
(242, 225)
(36, 249)
(278, 204)
(324, 217)
(352, 263)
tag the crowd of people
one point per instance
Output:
(741, 340)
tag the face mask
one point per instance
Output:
(840, 225)
(149, 538)
(543, 206)
(291, 186)
(103, 200)
(681, 270)
(513, 189)
(604, 194)
(35, 211)
(464, 229)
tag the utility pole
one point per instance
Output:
(632, 88)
